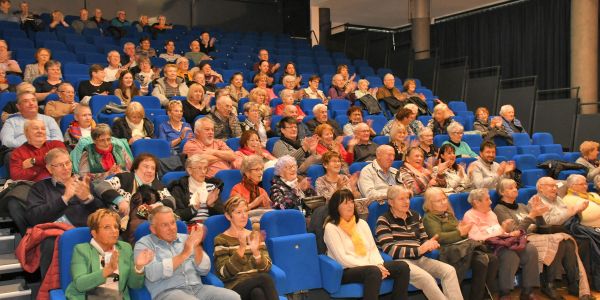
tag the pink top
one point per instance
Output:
(193, 146)
(485, 225)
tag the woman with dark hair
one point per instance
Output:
(263, 70)
(332, 180)
(143, 201)
(450, 176)
(127, 88)
(250, 144)
(49, 85)
(290, 69)
(103, 158)
(350, 242)
(313, 91)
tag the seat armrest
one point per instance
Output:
(279, 277)
(331, 273)
(212, 279)
(57, 295)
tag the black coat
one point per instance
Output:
(180, 189)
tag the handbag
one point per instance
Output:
(550, 229)
(314, 202)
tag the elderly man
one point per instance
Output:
(378, 176)
(509, 122)
(179, 261)
(219, 155)
(65, 105)
(226, 122)
(263, 54)
(365, 149)
(485, 172)
(390, 94)
(577, 192)
(292, 111)
(303, 150)
(558, 212)
(114, 69)
(128, 60)
(321, 117)
(12, 134)
(339, 89)
(27, 161)
(119, 24)
(97, 18)
(83, 21)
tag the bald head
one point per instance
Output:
(290, 111)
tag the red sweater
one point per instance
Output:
(27, 151)
(347, 156)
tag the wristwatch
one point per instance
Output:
(33, 160)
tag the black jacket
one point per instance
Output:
(120, 128)
(180, 189)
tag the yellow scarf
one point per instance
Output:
(588, 196)
(349, 227)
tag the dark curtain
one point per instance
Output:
(529, 38)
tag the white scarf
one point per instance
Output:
(198, 191)
(137, 130)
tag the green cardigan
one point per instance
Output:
(87, 273)
(446, 228)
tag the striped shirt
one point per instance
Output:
(233, 269)
(401, 238)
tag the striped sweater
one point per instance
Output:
(233, 269)
(401, 238)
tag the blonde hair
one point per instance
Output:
(429, 194)
(232, 203)
(588, 146)
(173, 103)
(133, 108)
(93, 221)
(193, 89)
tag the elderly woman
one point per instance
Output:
(350, 242)
(287, 98)
(105, 267)
(355, 116)
(288, 189)
(589, 158)
(484, 225)
(196, 196)
(260, 80)
(418, 99)
(104, 158)
(461, 149)
(82, 126)
(175, 130)
(183, 70)
(263, 69)
(450, 176)
(332, 181)
(313, 91)
(413, 173)
(144, 73)
(341, 89)
(442, 118)
(43, 88)
(169, 86)
(509, 122)
(407, 117)
(250, 144)
(33, 71)
(426, 143)
(490, 129)
(127, 88)
(236, 88)
(249, 189)
(6, 63)
(134, 125)
(327, 142)
(241, 257)
(455, 248)
(348, 80)
(399, 141)
(260, 96)
(197, 103)
(254, 121)
(565, 256)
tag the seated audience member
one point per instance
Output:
(195, 55)
(413, 174)
(414, 126)
(49, 84)
(290, 69)
(113, 71)
(5, 13)
(365, 149)
(340, 90)
(183, 70)
(96, 85)
(144, 48)
(175, 130)
(169, 55)
(263, 54)
(196, 197)
(142, 24)
(558, 211)
(5, 86)
(27, 160)
(260, 80)
(589, 158)
(332, 181)
(303, 150)
(449, 175)
(198, 78)
(197, 103)
(58, 21)
(363, 90)
(522, 217)
(260, 96)
(390, 94)
(128, 59)
(342, 69)
(287, 98)
(82, 126)
(485, 225)
(97, 18)
(442, 118)
(399, 141)
(64, 105)
(418, 99)
(426, 144)
(461, 148)
(490, 129)
(27, 18)
(313, 91)
(169, 86)
(33, 71)
(84, 22)
(241, 257)
(226, 122)
(288, 189)
(577, 191)
(127, 88)
(254, 122)
(485, 172)
(406, 117)
(12, 133)
(207, 43)
(327, 142)
(321, 117)
(250, 144)
(6, 63)
(376, 177)
(292, 111)
(144, 74)
(134, 125)
(160, 27)
(118, 25)
(350, 242)
(263, 70)
(457, 250)
(180, 253)
(509, 122)
(219, 155)
(289, 82)
(103, 158)
(236, 88)
(401, 234)
(355, 117)
(249, 188)
(105, 266)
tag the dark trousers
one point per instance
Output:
(510, 261)
(16, 210)
(565, 257)
(484, 267)
(46, 253)
(259, 286)
(370, 277)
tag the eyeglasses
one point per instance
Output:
(62, 165)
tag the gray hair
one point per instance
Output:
(289, 77)
(413, 107)
(282, 162)
(29, 123)
(64, 83)
(284, 92)
(201, 122)
(382, 148)
(319, 107)
(80, 107)
(51, 63)
(395, 190)
(159, 210)
(22, 95)
(477, 195)
(363, 80)
(505, 108)
(113, 51)
(388, 75)
(573, 178)
(503, 185)
(181, 59)
(128, 44)
(425, 130)
(249, 105)
(100, 130)
(249, 162)
(441, 106)
(54, 153)
(541, 181)
(195, 159)
(455, 127)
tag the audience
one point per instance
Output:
(263, 71)
(58, 21)
(207, 43)
(218, 154)
(45, 86)
(290, 69)
(449, 175)
(390, 94)
(5, 86)
(165, 88)
(197, 103)
(142, 24)
(414, 175)
(254, 122)
(134, 125)
(321, 117)
(490, 129)
(509, 122)
(399, 141)
(128, 60)
(113, 71)
(249, 189)
(144, 48)
(6, 63)
(33, 71)
(313, 91)
(81, 127)
(461, 148)
(340, 89)
(160, 27)
(332, 181)
(288, 189)
(118, 25)
(263, 54)
(64, 105)
(169, 54)
(426, 144)
(365, 149)
(127, 88)
(261, 80)
(355, 117)
(103, 158)
(410, 86)
(407, 118)
(183, 70)
(236, 88)
(226, 122)
(175, 130)
(287, 98)
(442, 118)
(96, 85)
(589, 158)
(195, 55)
(304, 151)
(84, 22)
(577, 192)
(5, 13)
(328, 142)
(485, 172)
(144, 74)
(376, 177)
(250, 144)
(101, 23)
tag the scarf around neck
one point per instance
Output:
(296, 144)
(512, 206)
(251, 187)
(349, 227)
(107, 157)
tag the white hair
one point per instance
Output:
(318, 107)
(454, 127)
(505, 108)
